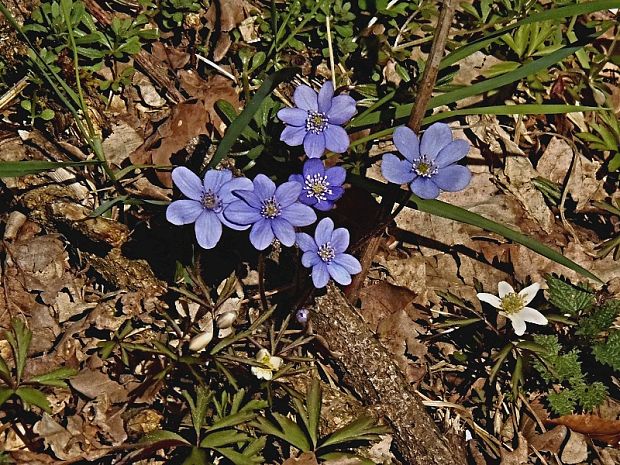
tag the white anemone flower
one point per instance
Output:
(273, 363)
(514, 305)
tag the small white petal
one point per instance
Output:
(262, 373)
(517, 323)
(275, 363)
(531, 315)
(263, 353)
(529, 293)
(202, 340)
(504, 289)
(490, 299)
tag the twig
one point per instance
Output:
(217, 67)
(330, 49)
(261, 282)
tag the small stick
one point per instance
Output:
(330, 49)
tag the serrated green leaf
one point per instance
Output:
(34, 397)
(55, 377)
(223, 438)
(608, 352)
(232, 420)
(600, 319)
(567, 297)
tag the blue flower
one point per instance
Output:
(272, 212)
(317, 120)
(325, 254)
(320, 188)
(430, 164)
(207, 200)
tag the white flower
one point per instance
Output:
(513, 305)
(263, 356)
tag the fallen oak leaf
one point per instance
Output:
(594, 427)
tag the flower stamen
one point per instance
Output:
(326, 252)
(316, 122)
(317, 186)
(211, 201)
(424, 167)
(270, 208)
(512, 303)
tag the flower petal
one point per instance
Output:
(342, 109)
(396, 170)
(528, 293)
(287, 193)
(322, 205)
(531, 315)
(504, 289)
(452, 153)
(452, 178)
(310, 259)
(264, 188)
(325, 97)
(424, 187)
(293, 135)
(518, 323)
(249, 197)
(489, 299)
(299, 214)
(284, 231)
(337, 192)
(320, 275)
(339, 273)
(188, 183)
(226, 191)
(293, 116)
(349, 263)
(241, 213)
(336, 175)
(214, 179)
(313, 166)
(183, 211)
(228, 224)
(306, 98)
(323, 232)
(261, 235)
(340, 239)
(306, 199)
(297, 178)
(208, 230)
(434, 139)
(336, 139)
(306, 242)
(314, 145)
(407, 143)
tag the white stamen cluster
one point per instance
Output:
(316, 122)
(317, 186)
(424, 167)
(270, 208)
(211, 201)
(326, 252)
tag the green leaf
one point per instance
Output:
(295, 437)
(19, 338)
(242, 121)
(223, 438)
(313, 407)
(164, 436)
(5, 372)
(293, 433)
(599, 320)
(567, 297)
(196, 456)
(346, 458)
(363, 428)
(236, 457)
(34, 397)
(55, 377)
(5, 394)
(199, 412)
(500, 357)
(232, 420)
(563, 402)
(452, 212)
(12, 169)
(608, 352)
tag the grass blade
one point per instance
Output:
(13, 169)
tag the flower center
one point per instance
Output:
(327, 252)
(316, 122)
(270, 208)
(317, 186)
(512, 303)
(211, 201)
(424, 167)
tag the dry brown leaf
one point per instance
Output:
(517, 456)
(95, 384)
(551, 440)
(575, 450)
(121, 142)
(593, 426)
(225, 15)
(307, 458)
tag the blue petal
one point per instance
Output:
(336, 175)
(337, 192)
(396, 170)
(287, 193)
(183, 211)
(434, 139)
(320, 275)
(236, 227)
(306, 242)
(293, 135)
(336, 139)
(306, 98)
(323, 205)
(208, 230)
(214, 179)
(299, 214)
(188, 183)
(342, 110)
(452, 178)
(293, 116)
(340, 239)
(424, 187)
(310, 258)
(313, 166)
(325, 97)
(314, 145)
(226, 191)
(261, 235)
(307, 199)
(249, 197)
(264, 188)
(339, 274)
(407, 143)
(241, 213)
(296, 178)
(284, 231)
(452, 153)
(323, 232)
(349, 263)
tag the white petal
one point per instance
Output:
(202, 340)
(517, 323)
(275, 363)
(262, 373)
(490, 299)
(529, 293)
(504, 289)
(531, 315)
(263, 353)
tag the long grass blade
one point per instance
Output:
(14, 169)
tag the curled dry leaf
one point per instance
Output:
(307, 458)
(593, 426)
(575, 450)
